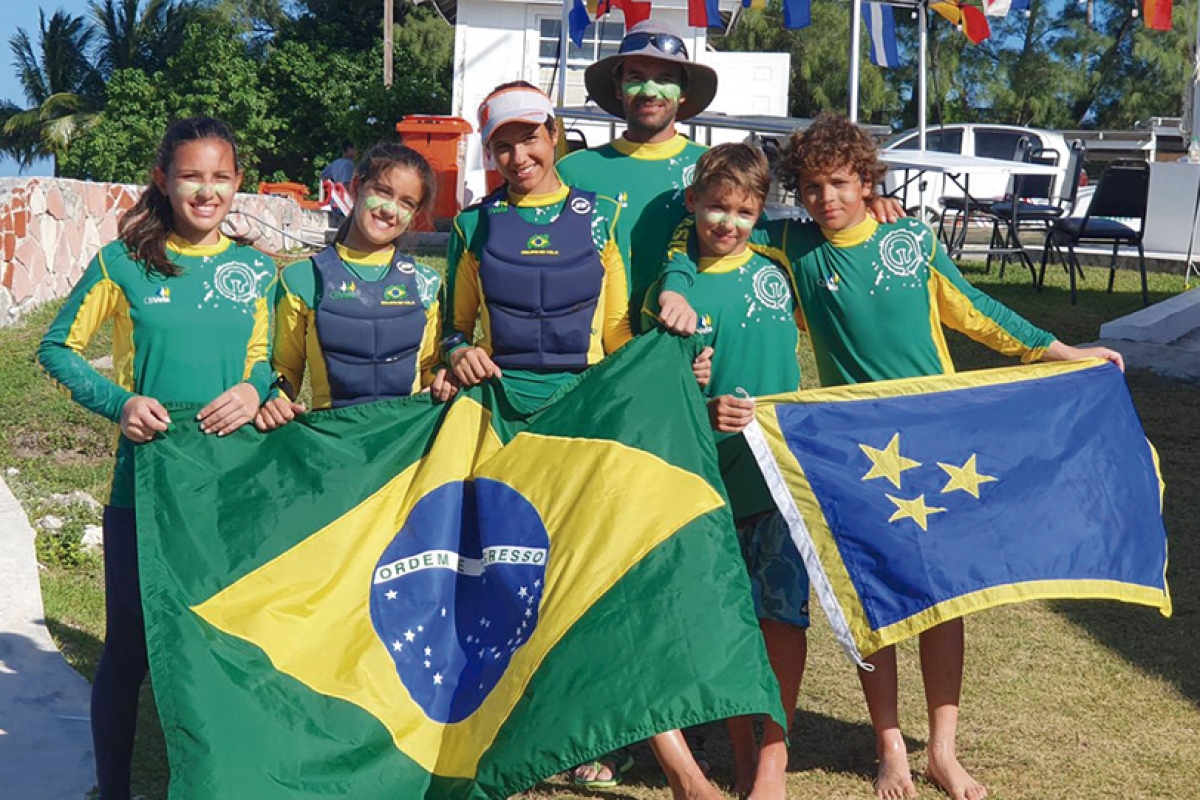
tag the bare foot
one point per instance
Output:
(772, 788)
(946, 773)
(697, 791)
(893, 780)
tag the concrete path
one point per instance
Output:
(45, 735)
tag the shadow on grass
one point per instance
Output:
(1158, 646)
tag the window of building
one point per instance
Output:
(600, 40)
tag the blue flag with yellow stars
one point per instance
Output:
(917, 501)
(410, 600)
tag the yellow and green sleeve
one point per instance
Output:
(95, 299)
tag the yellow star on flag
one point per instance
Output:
(888, 463)
(916, 510)
(965, 478)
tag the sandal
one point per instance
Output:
(617, 763)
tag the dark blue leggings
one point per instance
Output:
(123, 663)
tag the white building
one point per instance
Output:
(496, 41)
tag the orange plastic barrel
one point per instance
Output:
(443, 142)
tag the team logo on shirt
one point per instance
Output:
(346, 290)
(581, 206)
(539, 245)
(705, 326)
(237, 282)
(163, 295)
(396, 295)
(771, 289)
(901, 252)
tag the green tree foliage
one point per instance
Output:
(290, 86)
(121, 148)
(212, 75)
(130, 35)
(1059, 65)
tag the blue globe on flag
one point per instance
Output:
(457, 592)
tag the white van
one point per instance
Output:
(971, 139)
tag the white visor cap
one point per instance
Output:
(516, 104)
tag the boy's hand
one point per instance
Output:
(276, 413)
(230, 410)
(472, 366)
(142, 417)
(729, 414)
(885, 209)
(445, 385)
(676, 313)
(702, 366)
(1065, 352)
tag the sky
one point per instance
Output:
(24, 14)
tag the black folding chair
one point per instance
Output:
(1029, 204)
(1121, 194)
(967, 207)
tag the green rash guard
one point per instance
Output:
(296, 344)
(649, 181)
(875, 297)
(749, 317)
(466, 307)
(181, 339)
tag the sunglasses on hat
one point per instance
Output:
(666, 43)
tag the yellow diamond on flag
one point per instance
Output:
(310, 609)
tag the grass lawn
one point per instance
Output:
(1093, 700)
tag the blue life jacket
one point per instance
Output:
(370, 331)
(541, 284)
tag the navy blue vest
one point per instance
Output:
(541, 284)
(370, 331)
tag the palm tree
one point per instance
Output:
(133, 37)
(64, 90)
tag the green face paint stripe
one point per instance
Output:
(721, 218)
(193, 188)
(651, 88)
(374, 203)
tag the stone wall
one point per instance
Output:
(51, 228)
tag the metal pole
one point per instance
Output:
(388, 41)
(564, 41)
(922, 70)
(855, 55)
(1195, 121)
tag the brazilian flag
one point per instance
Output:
(406, 600)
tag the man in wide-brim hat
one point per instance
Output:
(651, 84)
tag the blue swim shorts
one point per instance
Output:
(778, 578)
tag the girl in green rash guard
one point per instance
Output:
(361, 316)
(171, 281)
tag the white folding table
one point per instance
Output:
(959, 168)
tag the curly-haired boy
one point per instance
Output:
(875, 297)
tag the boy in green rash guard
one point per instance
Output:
(651, 84)
(535, 264)
(875, 297)
(191, 317)
(751, 322)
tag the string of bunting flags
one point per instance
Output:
(972, 20)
